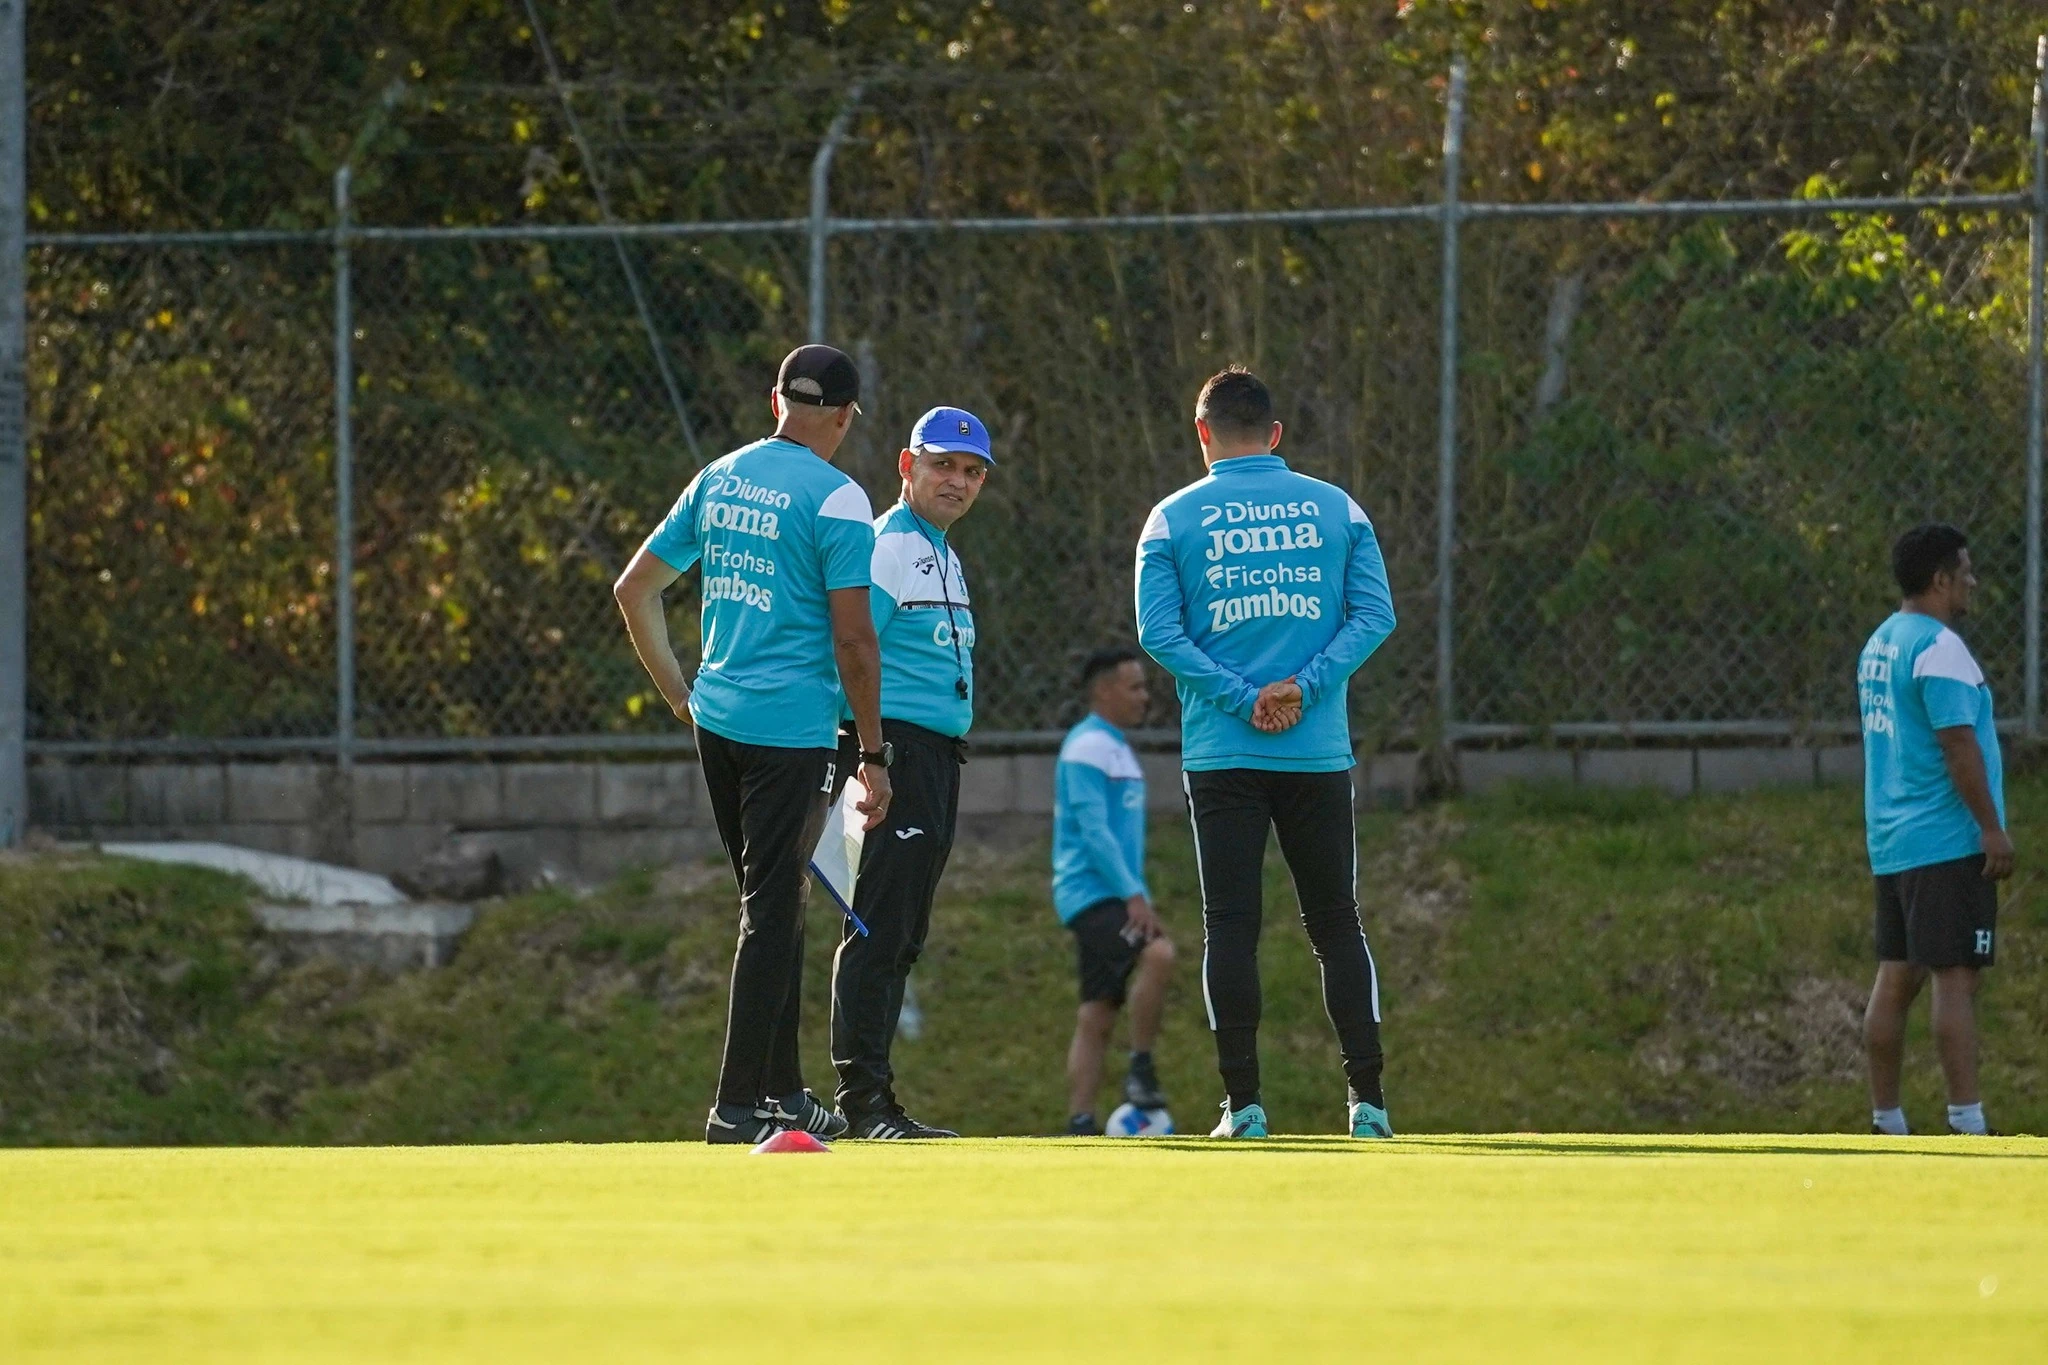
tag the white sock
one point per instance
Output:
(1892, 1121)
(1968, 1118)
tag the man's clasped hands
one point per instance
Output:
(1278, 707)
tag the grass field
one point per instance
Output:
(1435, 1248)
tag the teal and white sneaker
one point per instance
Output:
(1370, 1121)
(1248, 1122)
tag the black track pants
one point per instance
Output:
(770, 805)
(901, 861)
(1312, 813)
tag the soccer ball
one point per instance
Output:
(1130, 1121)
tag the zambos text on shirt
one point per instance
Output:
(733, 588)
(1230, 611)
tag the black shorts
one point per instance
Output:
(1105, 956)
(1940, 915)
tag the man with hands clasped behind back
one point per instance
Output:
(1257, 572)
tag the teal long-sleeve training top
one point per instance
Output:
(1251, 575)
(1098, 822)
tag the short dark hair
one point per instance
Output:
(1925, 551)
(1104, 660)
(1235, 403)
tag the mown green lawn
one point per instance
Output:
(1552, 961)
(1433, 1248)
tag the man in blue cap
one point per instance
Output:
(926, 627)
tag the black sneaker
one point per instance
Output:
(739, 1124)
(804, 1112)
(1141, 1089)
(892, 1124)
(1083, 1125)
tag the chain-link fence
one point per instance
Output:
(1691, 442)
(182, 538)
(1680, 436)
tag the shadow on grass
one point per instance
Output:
(1956, 1149)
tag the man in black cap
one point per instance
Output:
(786, 542)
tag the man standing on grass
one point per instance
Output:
(1934, 814)
(926, 627)
(1098, 886)
(1262, 591)
(785, 540)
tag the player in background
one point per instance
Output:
(926, 627)
(1934, 815)
(786, 542)
(1098, 886)
(1262, 591)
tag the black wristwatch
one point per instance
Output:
(886, 758)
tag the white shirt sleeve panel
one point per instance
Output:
(1155, 526)
(1948, 657)
(894, 563)
(1358, 515)
(1094, 749)
(848, 502)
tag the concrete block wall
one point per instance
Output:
(593, 820)
(584, 820)
(1676, 772)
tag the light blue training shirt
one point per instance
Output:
(777, 529)
(1098, 819)
(923, 619)
(1917, 676)
(1249, 576)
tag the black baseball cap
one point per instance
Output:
(823, 376)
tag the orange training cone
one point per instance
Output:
(790, 1140)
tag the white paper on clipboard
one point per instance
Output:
(836, 860)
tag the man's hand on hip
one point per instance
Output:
(1998, 855)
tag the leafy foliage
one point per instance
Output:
(1726, 449)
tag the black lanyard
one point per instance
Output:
(943, 560)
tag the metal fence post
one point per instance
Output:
(821, 199)
(2037, 249)
(344, 488)
(13, 426)
(1447, 408)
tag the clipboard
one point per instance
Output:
(836, 860)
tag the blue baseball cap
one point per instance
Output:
(954, 429)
